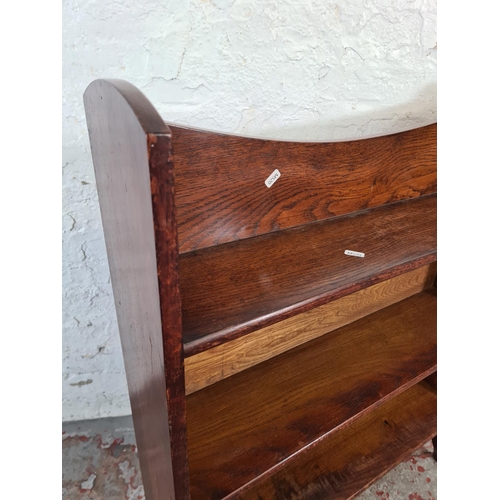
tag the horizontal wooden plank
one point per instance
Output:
(209, 367)
(234, 289)
(345, 463)
(250, 422)
(221, 195)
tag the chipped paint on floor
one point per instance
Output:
(100, 462)
(413, 479)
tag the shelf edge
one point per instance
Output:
(231, 333)
(421, 377)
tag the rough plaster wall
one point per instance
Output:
(306, 70)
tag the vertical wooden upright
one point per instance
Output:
(132, 154)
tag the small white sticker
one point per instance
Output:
(354, 254)
(272, 178)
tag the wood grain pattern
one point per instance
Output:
(221, 195)
(209, 367)
(345, 463)
(239, 287)
(131, 150)
(162, 195)
(244, 425)
(254, 256)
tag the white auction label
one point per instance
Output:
(354, 254)
(272, 178)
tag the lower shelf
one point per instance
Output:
(345, 463)
(243, 427)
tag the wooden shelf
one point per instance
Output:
(220, 362)
(236, 288)
(347, 462)
(262, 362)
(256, 420)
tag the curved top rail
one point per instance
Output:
(231, 188)
(223, 181)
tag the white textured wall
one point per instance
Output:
(306, 70)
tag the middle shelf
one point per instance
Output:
(234, 289)
(248, 423)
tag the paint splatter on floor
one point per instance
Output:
(413, 479)
(100, 463)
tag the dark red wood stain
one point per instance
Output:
(131, 149)
(262, 280)
(221, 195)
(248, 423)
(161, 171)
(342, 465)
(322, 420)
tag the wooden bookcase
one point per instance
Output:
(262, 361)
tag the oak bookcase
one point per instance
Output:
(262, 361)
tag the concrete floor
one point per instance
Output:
(100, 463)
